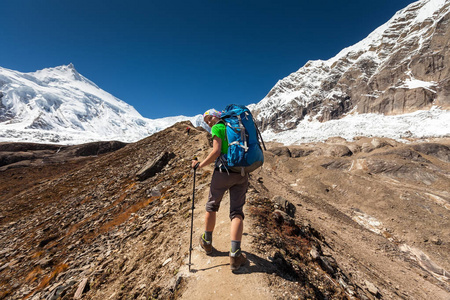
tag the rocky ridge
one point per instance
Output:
(338, 220)
(401, 67)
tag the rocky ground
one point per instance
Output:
(337, 220)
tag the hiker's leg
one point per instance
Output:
(237, 258)
(219, 184)
(216, 191)
(237, 228)
(206, 237)
(237, 201)
(210, 221)
(237, 196)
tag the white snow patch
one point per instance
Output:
(428, 9)
(368, 222)
(416, 83)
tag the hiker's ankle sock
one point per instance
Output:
(235, 246)
(208, 236)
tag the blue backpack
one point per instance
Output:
(244, 150)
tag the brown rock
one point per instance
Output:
(299, 152)
(285, 205)
(281, 151)
(154, 166)
(337, 151)
(442, 152)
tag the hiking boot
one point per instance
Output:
(237, 260)
(206, 245)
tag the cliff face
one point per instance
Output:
(401, 67)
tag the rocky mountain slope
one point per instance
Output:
(336, 220)
(399, 68)
(59, 105)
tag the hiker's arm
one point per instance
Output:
(213, 155)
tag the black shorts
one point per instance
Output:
(220, 183)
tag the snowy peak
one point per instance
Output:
(407, 24)
(60, 105)
(60, 74)
(400, 67)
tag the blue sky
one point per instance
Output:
(179, 57)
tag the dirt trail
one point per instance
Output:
(211, 276)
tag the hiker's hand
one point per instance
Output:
(195, 164)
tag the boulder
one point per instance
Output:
(154, 166)
(337, 151)
(284, 205)
(354, 148)
(367, 147)
(298, 152)
(281, 151)
(379, 143)
(439, 151)
(7, 158)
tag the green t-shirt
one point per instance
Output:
(220, 131)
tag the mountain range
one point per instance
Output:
(398, 76)
(401, 67)
(59, 105)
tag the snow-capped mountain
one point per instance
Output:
(59, 105)
(401, 67)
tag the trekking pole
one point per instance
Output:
(192, 214)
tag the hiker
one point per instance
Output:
(223, 180)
